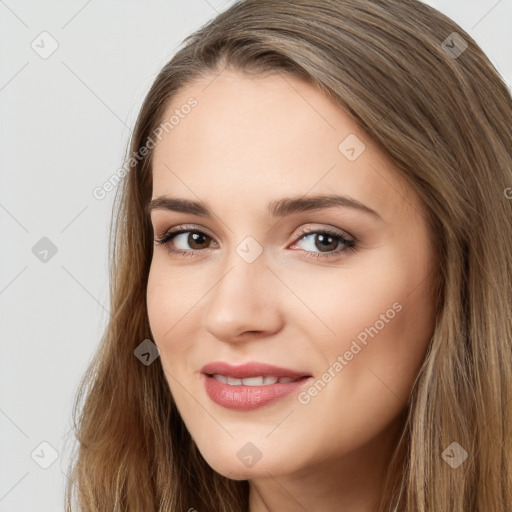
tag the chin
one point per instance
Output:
(233, 472)
(235, 468)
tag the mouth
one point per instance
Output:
(260, 380)
(251, 385)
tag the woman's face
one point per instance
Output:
(255, 173)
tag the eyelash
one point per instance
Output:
(168, 236)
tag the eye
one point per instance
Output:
(318, 244)
(191, 240)
(328, 242)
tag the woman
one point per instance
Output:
(311, 283)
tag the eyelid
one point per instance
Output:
(183, 227)
(322, 227)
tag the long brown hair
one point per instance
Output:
(441, 111)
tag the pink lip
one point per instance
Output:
(245, 398)
(253, 369)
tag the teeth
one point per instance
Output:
(252, 381)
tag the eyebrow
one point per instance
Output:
(276, 208)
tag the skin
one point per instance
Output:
(247, 142)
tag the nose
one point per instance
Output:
(244, 303)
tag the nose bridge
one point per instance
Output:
(240, 300)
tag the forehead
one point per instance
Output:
(268, 137)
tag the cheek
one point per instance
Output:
(382, 322)
(169, 297)
(167, 316)
(173, 299)
(166, 310)
(382, 318)
(156, 300)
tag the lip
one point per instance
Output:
(251, 369)
(245, 398)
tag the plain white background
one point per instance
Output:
(65, 123)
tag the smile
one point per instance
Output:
(253, 381)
